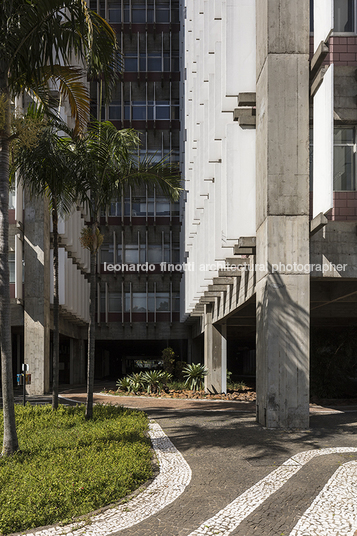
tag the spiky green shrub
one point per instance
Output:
(155, 380)
(194, 375)
(123, 384)
(136, 382)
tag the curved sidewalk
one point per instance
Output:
(233, 459)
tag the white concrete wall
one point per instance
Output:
(218, 41)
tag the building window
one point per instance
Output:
(162, 206)
(114, 302)
(344, 172)
(139, 206)
(115, 111)
(162, 302)
(12, 199)
(344, 16)
(114, 12)
(12, 266)
(106, 253)
(155, 253)
(138, 302)
(131, 62)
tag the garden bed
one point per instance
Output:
(243, 393)
(68, 466)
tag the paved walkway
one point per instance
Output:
(247, 480)
(233, 477)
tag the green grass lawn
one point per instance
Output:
(69, 466)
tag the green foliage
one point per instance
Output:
(152, 381)
(176, 385)
(68, 466)
(179, 366)
(136, 382)
(168, 357)
(123, 384)
(194, 375)
(333, 362)
(155, 380)
(236, 386)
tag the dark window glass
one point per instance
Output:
(163, 13)
(344, 16)
(138, 14)
(114, 11)
(344, 160)
(11, 258)
(130, 61)
(154, 62)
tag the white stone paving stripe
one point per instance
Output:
(230, 517)
(174, 477)
(334, 511)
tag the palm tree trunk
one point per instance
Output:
(91, 333)
(10, 442)
(55, 308)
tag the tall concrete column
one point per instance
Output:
(37, 293)
(215, 354)
(282, 289)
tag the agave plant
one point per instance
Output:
(155, 380)
(123, 384)
(136, 382)
(194, 375)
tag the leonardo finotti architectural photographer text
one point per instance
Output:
(191, 267)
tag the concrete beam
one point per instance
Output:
(318, 59)
(223, 281)
(246, 117)
(217, 288)
(247, 99)
(318, 223)
(232, 272)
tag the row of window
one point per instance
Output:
(140, 302)
(142, 206)
(151, 62)
(344, 16)
(141, 13)
(144, 111)
(139, 254)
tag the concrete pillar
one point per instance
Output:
(37, 293)
(282, 289)
(215, 354)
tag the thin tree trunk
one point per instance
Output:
(10, 441)
(91, 334)
(55, 308)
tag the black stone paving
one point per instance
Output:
(229, 452)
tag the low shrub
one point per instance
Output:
(194, 375)
(68, 466)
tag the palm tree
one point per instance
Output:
(46, 170)
(38, 40)
(106, 161)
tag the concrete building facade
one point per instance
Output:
(269, 88)
(138, 295)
